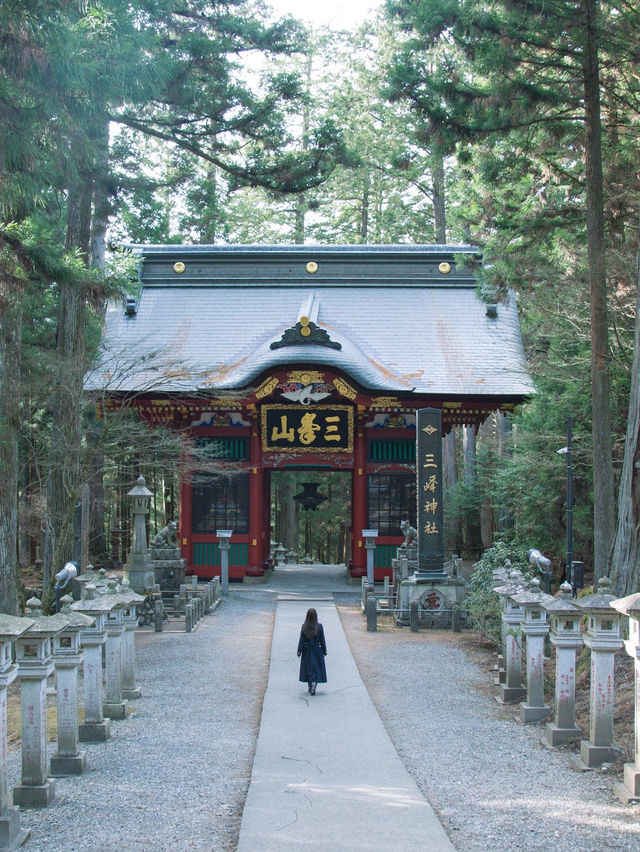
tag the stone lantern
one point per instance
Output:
(565, 619)
(95, 727)
(67, 658)
(114, 707)
(280, 554)
(534, 628)
(130, 601)
(511, 688)
(602, 637)
(35, 664)
(629, 791)
(11, 627)
(139, 569)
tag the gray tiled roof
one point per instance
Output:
(400, 328)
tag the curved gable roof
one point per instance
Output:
(399, 320)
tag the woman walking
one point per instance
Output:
(312, 649)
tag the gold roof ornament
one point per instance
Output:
(444, 267)
(312, 267)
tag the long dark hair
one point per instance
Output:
(310, 626)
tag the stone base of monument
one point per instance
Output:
(139, 572)
(34, 796)
(591, 756)
(115, 711)
(168, 567)
(436, 595)
(509, 694)
(11, 835)
(556, 736)
(63, 765)
(530, 713)
(94, 732)
(131, 694)
(629, 791)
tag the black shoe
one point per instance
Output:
(309, 686)
(313, 688)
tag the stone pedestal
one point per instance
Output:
(11, 835)
(436, 599)
(565, 636)
(168, 567)
(510, 661)
(67, 658)
(95, 727)
(35, 664)
(114, 707)
(629, 790)
(534, 628)
(602, 637)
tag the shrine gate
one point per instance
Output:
(277, 357)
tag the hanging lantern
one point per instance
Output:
(309, 497)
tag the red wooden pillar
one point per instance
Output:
(256, 504)
(359, 502)
(185, 518)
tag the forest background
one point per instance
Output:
(511, 126)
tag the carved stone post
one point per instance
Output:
(35, 664)
(511, 689)
(629, 791)
(67, 658)
(534, 628)
(114, 707)
(602, 637)
(11, 835)
(565, 619)
(95, 728)
(130, 600)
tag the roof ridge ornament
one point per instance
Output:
(305, 330)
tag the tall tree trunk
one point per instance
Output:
(63, 480)
(626, 552)
(10, 352)
(99, 224)
(503, 423)
(450, 479)
(364, 211)
(487, 526)
(471, 520)
(603, 493)
(437, 180)
(288, 510)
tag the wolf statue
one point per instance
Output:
(410, 533)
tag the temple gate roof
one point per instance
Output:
(395, 318)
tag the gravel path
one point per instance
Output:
(489, 778)
(175, 773)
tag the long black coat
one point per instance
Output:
(312, 653)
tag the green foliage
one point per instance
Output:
(481, 605)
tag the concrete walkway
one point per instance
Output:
(325, 774)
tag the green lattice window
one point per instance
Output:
(388, 450)
(223, 449)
